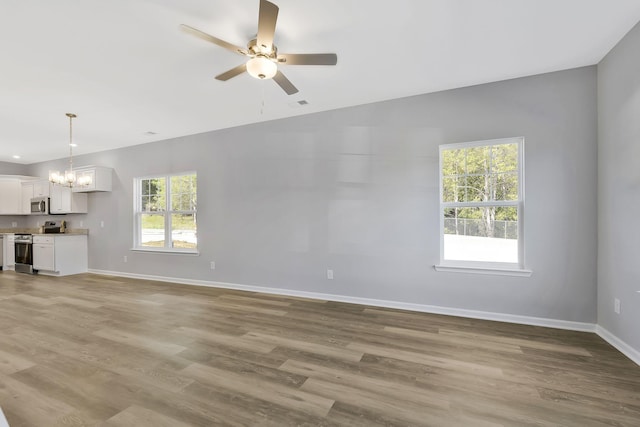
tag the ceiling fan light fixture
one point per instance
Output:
(263, 58)
(261, 67)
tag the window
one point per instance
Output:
(165, 213)
(481, 205)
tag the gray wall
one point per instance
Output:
(8, 221)
(356, 190)
(7, 168)
(619, 189)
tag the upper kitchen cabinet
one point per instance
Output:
(11, 195)
(63, 201)
(99, 178)
(41, 188)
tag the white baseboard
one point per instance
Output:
(620, 345)
(474, 314)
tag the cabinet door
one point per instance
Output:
(60, 201)
(90, 176)
(44, 257)
(9, 251)
(41, 188)
(5, 252)
(27, 195)
(11, 200)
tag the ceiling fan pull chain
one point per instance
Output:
(262, 90)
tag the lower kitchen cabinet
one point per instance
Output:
(9, 252)
(44, 254)
(60, 255)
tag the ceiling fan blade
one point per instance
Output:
(308, 58)
(285, 84)
(214, 40)
(267, 18)
(232, 72)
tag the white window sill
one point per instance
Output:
(166, 251)
(496, 271)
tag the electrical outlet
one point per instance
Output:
(330, 274)
(81, 224)
(213, 265)
(125, 259)
(14, 224)
(102, 224)
(616, 305)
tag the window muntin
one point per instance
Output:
(481, 203)
(165, 213)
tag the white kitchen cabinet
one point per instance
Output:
(9, 252)
(60, 201)
(27, 195)
(41, 188)
(10, 196)
(100, 177)
(60, 255)
(63, 200)
(44, 254)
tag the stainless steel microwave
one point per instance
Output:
(40, 206)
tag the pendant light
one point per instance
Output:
(69, 178)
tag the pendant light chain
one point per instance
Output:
(71, 116)
(70, 177)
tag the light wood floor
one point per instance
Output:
(95, 350)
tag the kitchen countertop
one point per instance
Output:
(36, 231)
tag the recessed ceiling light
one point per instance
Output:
(15, 156)
(73, 145)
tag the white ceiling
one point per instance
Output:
(125, 68)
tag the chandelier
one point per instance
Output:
(69, 178)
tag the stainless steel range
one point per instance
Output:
(24, 253)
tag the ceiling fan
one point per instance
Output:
(263, 54)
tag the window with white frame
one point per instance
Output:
(165, 213)
(481, 204)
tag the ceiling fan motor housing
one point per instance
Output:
(255, 49)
